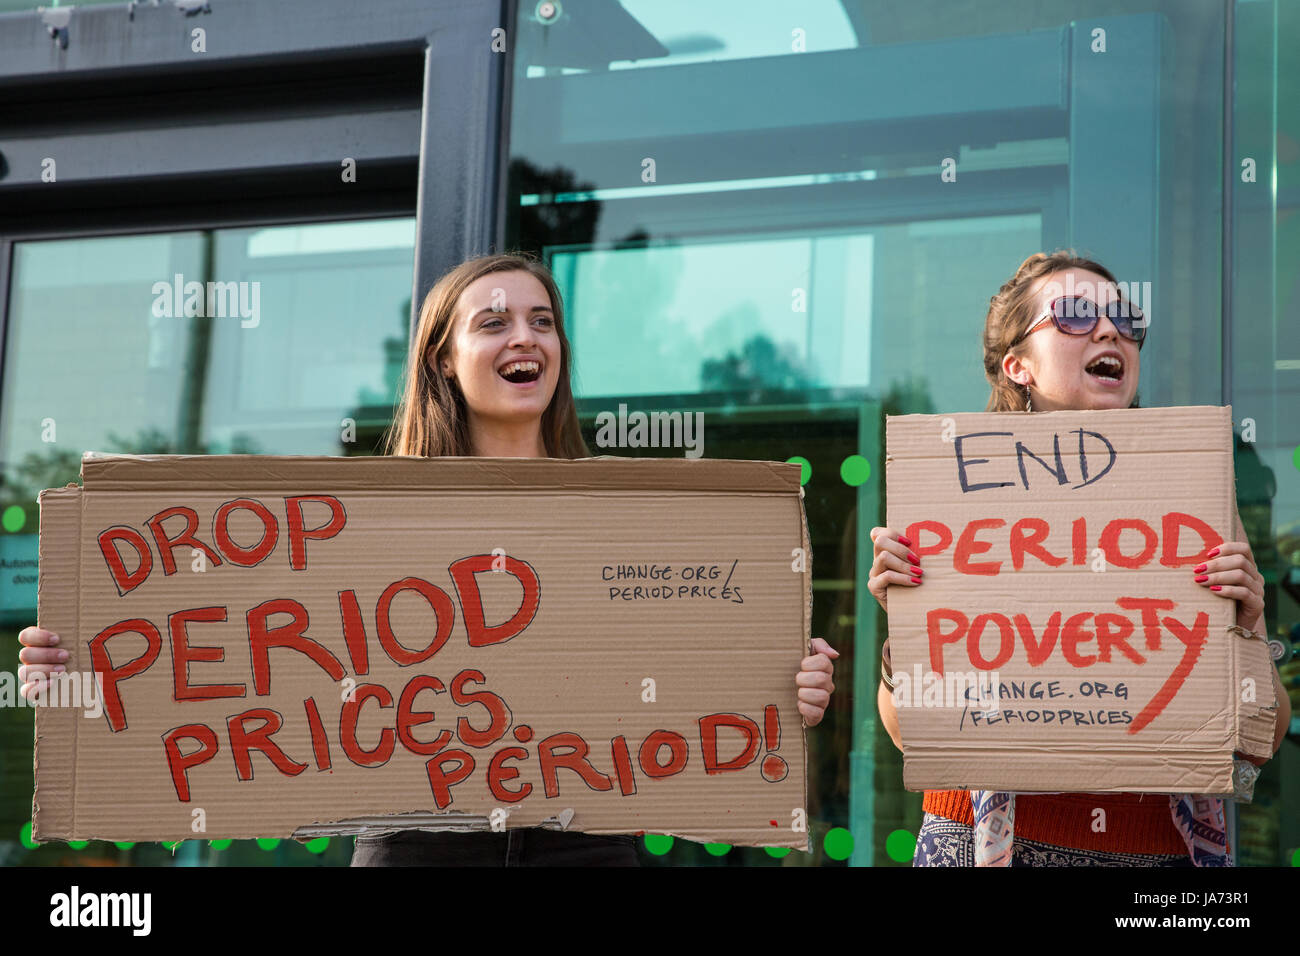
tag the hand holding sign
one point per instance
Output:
(893, 563)
(814, 682)
(1231, 573)
(40, 657)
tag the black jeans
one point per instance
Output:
(524, 847)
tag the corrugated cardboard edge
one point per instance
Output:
(428, 822)
(806, 544)
(1020, 772)
(399, 473)
(54, 750)
(1256, 717)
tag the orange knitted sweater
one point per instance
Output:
(1134, 822)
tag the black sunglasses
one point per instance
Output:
(1077, 315)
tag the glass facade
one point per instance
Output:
(793, 218)
(7, 6)
(789, 217)
(272, 340)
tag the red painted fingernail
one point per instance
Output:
(1202, 579)
(1213, 553)
(905, 542)
(1198, 569)
(916, 570)
(1215, 587)
(916, 580)
(915, 559)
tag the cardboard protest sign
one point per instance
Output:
(303, 646)
(1058, 641)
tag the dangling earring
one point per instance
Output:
(1029, 405)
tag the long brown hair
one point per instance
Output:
(432, 419)
(1011, 310)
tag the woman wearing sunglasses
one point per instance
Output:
(1059, 336)
(489, 376)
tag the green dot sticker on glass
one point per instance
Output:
(318, 845)
(220, 844)
(657, 843)
(838, 843)
(268, 843)
(718, 849)
(805, 468)
(172, 844)
(124, 845)
(901, 845)
(78, 844)
(25, 835)
(1295, 457)
(1295, 857)
(777, 851)
(855, 470)
(14, 518)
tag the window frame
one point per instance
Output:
(453, 146)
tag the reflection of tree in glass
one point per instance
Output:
(548, 221)
(760, 365)
(908, 397)
(395, 350)
(53, 469)
(374, 412)
(1256, 488)
(62, 466)
(154, 441)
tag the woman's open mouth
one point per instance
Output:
(521, 373)
(1107, 369)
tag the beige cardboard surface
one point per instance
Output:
(450, 640)
(1071, 580)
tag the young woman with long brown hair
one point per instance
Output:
(489, 375)
(1044, 351)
